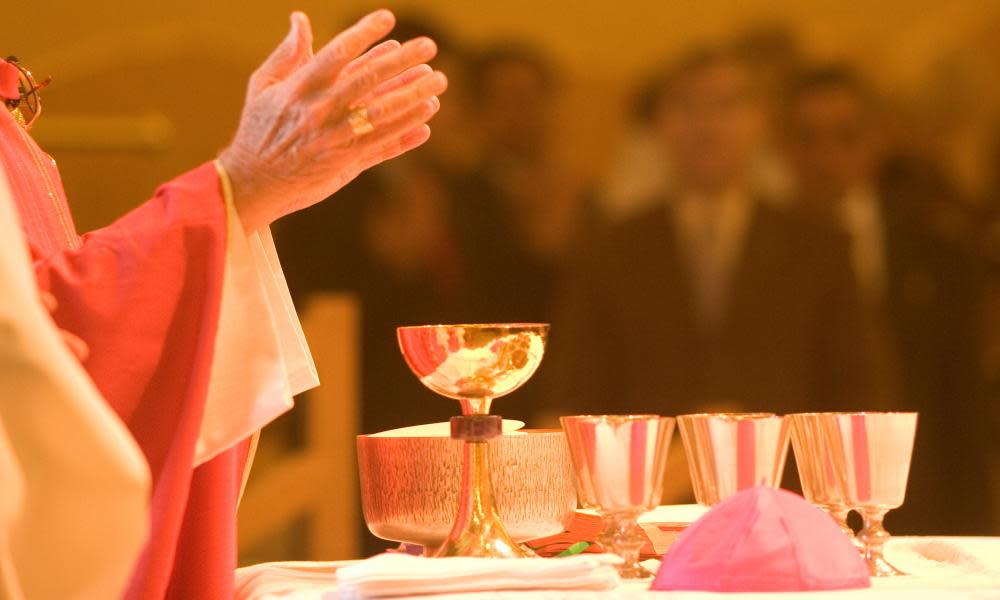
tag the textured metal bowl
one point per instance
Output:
(410, 485)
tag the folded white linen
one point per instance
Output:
(401, 574)
(298, 580)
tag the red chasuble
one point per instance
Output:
(145, 293)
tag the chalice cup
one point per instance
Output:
(876, 449)
(730, 452)
(819, 461)
(620, 462)
(475, 364)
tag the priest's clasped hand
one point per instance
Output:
(312, 123)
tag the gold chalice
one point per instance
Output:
(475, 364)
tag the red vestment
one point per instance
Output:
(144, 293)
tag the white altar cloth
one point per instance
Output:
(959, 568)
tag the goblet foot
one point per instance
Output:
(878, 566)
(634, 571)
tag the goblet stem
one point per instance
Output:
(874, 537)
(606, 538)
(478, 530)
(628, 542)
(839, 514)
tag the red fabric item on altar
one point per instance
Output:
(144, 294)
(585, 527)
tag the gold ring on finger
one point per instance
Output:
(359, 122)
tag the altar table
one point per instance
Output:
(956, 568)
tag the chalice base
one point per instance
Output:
(489, 540)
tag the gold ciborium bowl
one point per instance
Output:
(410, 486)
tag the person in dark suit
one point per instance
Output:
(919, 291)
(521, 209)
(715, 298)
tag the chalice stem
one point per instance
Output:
(606, 538)
(874, 536)
(628, 542)
(839, 515)
(477, 530)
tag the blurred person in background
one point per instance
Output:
(713, 298)
(772, 52)
(640, 170)
(919, 292)
(522, 212)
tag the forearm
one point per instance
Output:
(124, 291)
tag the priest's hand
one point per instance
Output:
(312, 123)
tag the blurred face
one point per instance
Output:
(515, 108)
(832, 143)
(712, 125)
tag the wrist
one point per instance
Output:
(238, 191)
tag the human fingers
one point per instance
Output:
(401, 144)
(375, 52)
(408, 76)
(294, 51)
(363, 123)
(388, 107)
(351, 90)
(344, 48)
(407, 121)
(75, 344)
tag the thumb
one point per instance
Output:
(293, 52)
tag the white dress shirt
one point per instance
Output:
(861, 219)
(860, 216)
(712, 234)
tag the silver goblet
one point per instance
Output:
(876, 449)
(729, 452)
(818, 458)
(620, 462)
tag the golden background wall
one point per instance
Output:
(143, 90)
